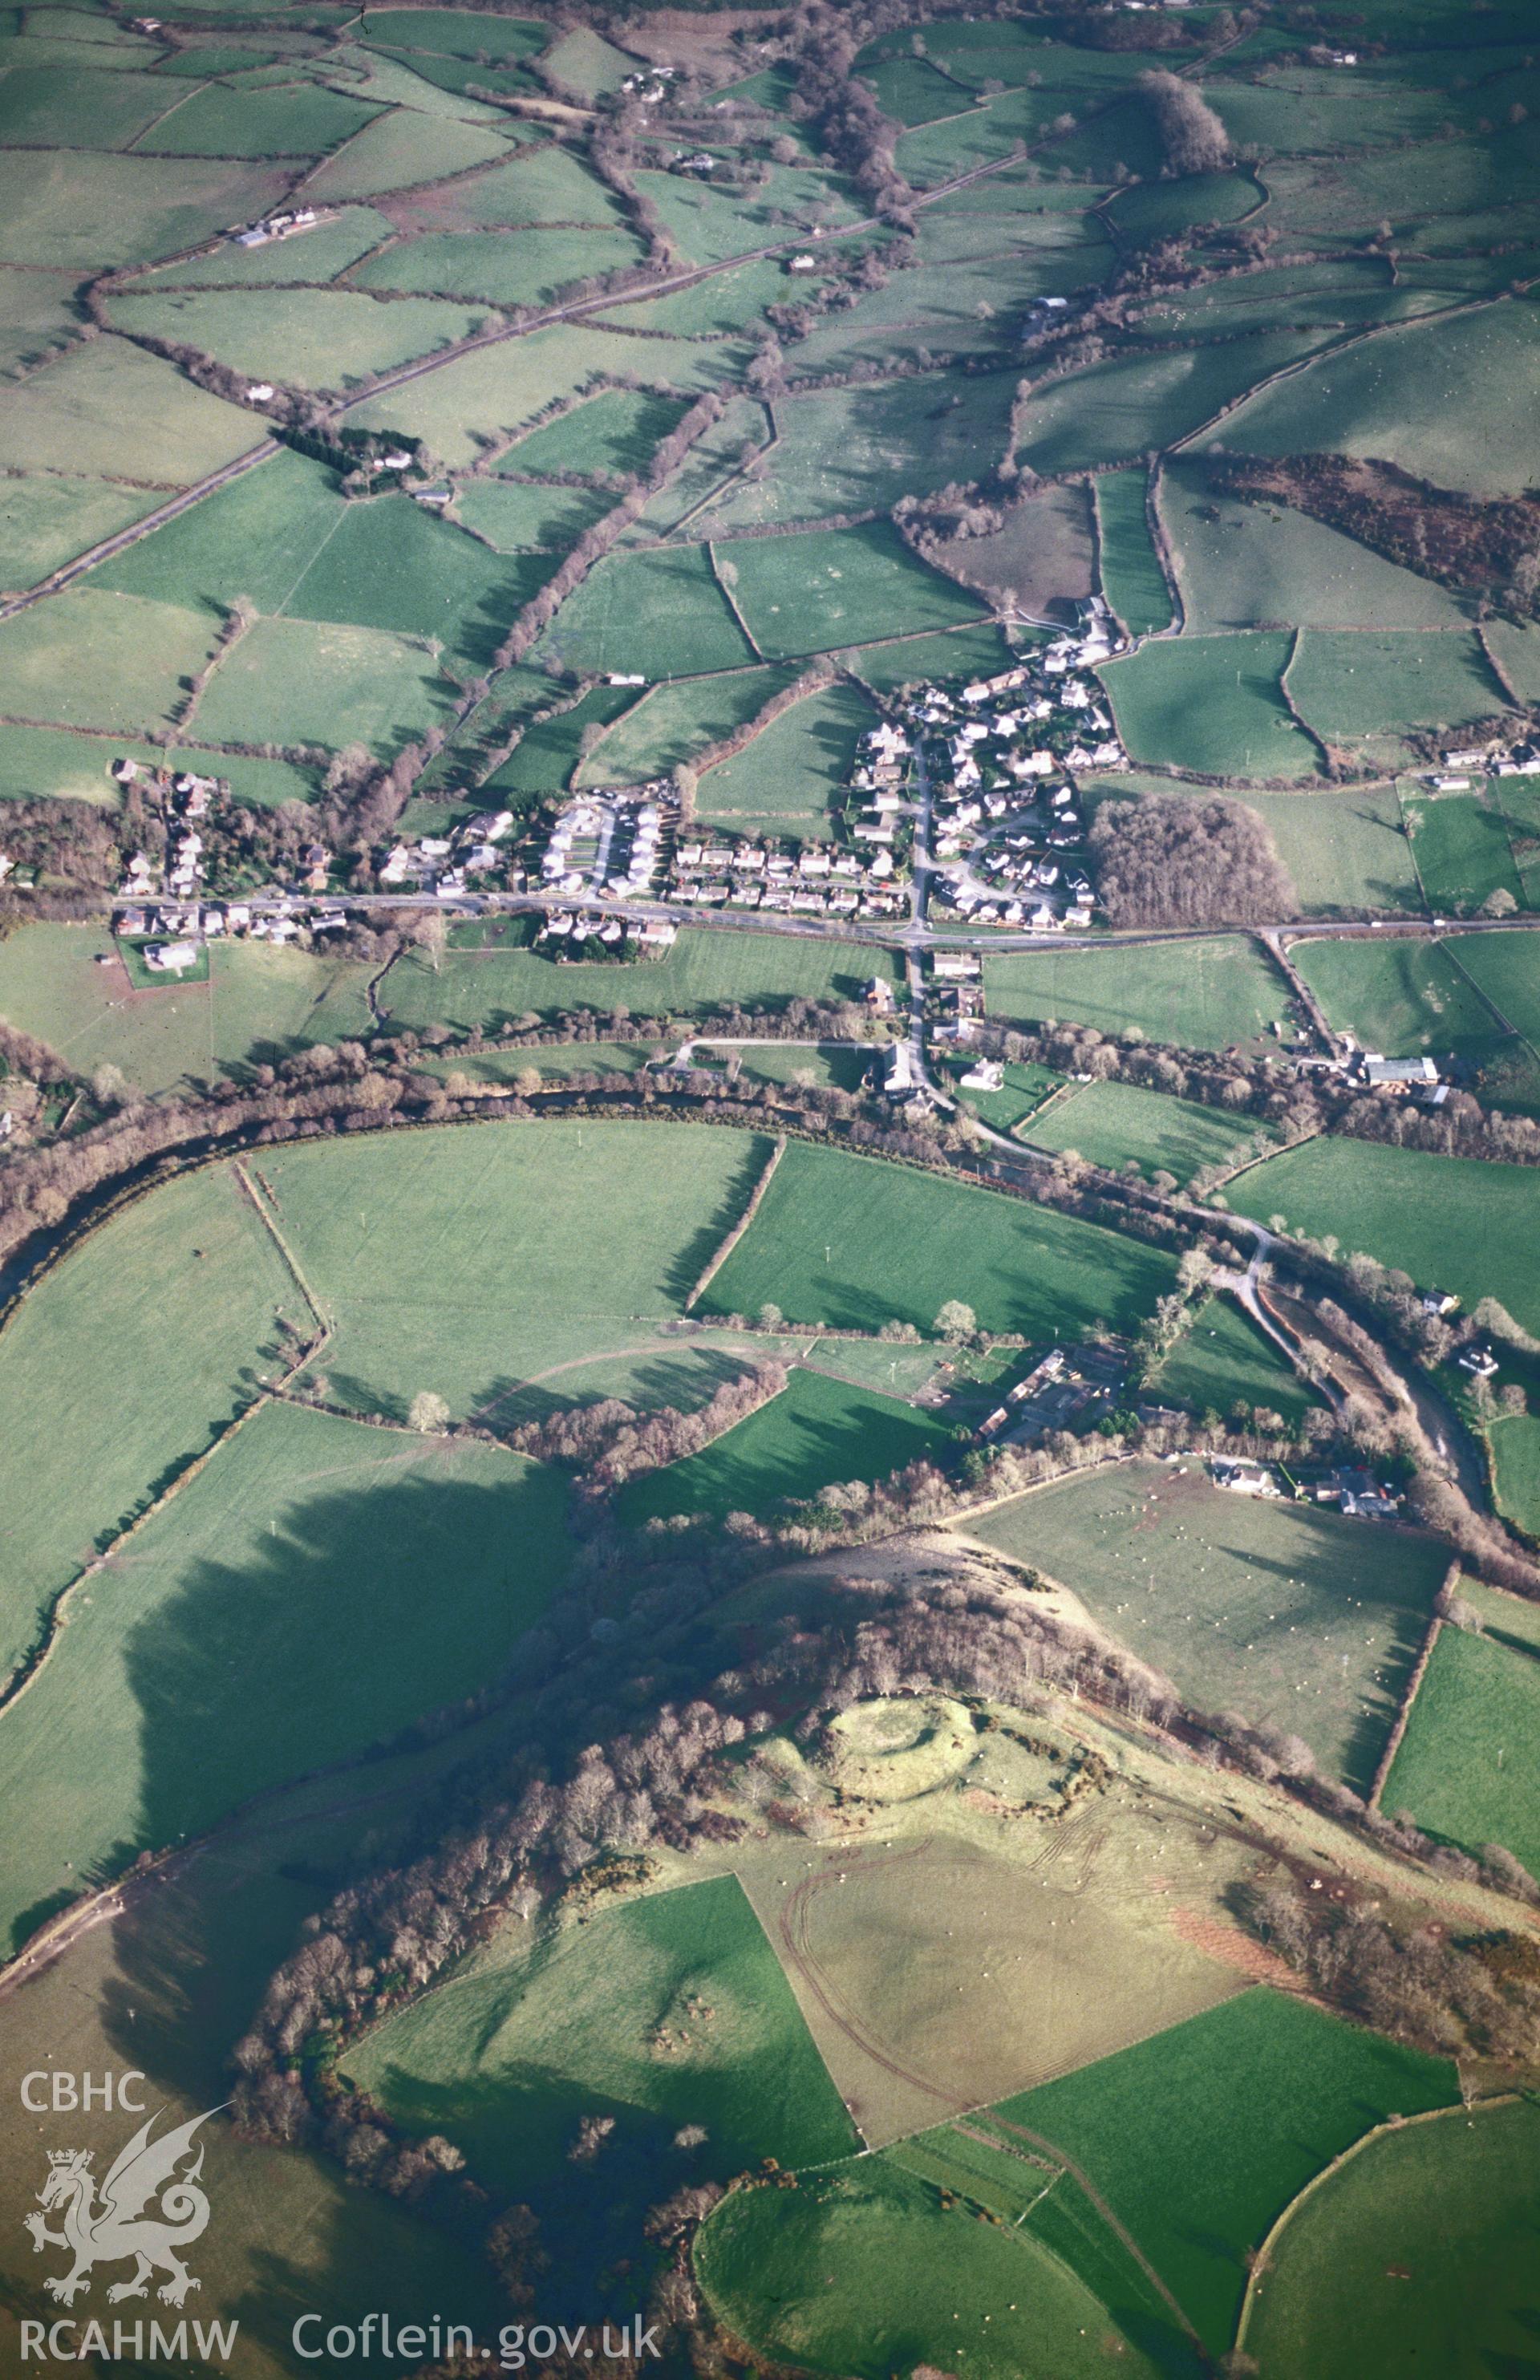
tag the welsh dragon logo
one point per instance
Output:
(119, 2227)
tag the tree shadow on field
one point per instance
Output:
(355, 1616)
(684, 1268)
(684, 1378)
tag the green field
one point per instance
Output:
(708, 968)
(661, 613)
(36, 761)
(825, 1247)
(1515, 1443)
(1446, 399)
(1154, 2129)
(975, 651)
(1346, 851)
(112, 410)
(1118, 1124)
(1204, 995)
(1253, 565)
(48, 520)
(133, 1291)
(401, 150)
(274, 1618)
(1461, 844)
(613, 431)
(255, 538)
(318, 682)
(860, 2272)
(787, 781)
(517, 268)
(407, 1238)
(1210, 703)
(1402, 998)
(831, 588)
(1502, 966)
(1463, 1768)
(59, 207)
(859, 448)
(140, 654)
(307, 338)
(390, 566)
(512, 516)
(671, 722)
(1352, 683)
(509, 2056)
(817, 1432)
(1222, 1359)
(1208, 1587)
(1132, 578)
(1452, 2204)
(1116, 412)
(1470, 1227)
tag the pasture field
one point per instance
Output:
(1470, 1227)
(545, 758)
(1206, 995)
(666, 2010)
(974, 651)
(787, 779)
(400, 150)
(882, 2233)
(114, 411)
(710, 968)
(729, 301)
(1120, 1125)
(613, 431)
(488, 1254)
(520, 268)
(48, 106)
(190, 1959)
(1165, 210)
(46, 521)
(140, 653)
(390, 566)
(1355, 682)
(824, 1247)
(818, 1432)
(829, 588)
(1402, 998)
(659, 611)
(1132, 578)
(863, 447)
(1514, 1442)
(59, 207)
(1115, 412)
(1518, 800)
(1245, 565)
(1208, 1587)
(1463, 1767)
(516, 518)
(300, 1554)
(1443, 397)
(708, 223)
(1461, 844)
(1154, 2130)
(1347, 852)
(452, 32)
(255, 538)
(1518, 650)
(462, 405)
(130, 1291)
(1025, 1089)
(1451, 2203)
(315, 256)
(1211, 703)
(39, 315)
(1222, 1360)
(295, 120)
(534, 185)
(93, 1016)
(319, 681)
(843, 1070)
(1502, 966)
(310, 338)
(672, 722)
(972, 271)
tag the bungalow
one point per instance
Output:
(170, 958)
(1243, 1478)
(984, 1074)
(878, 996)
